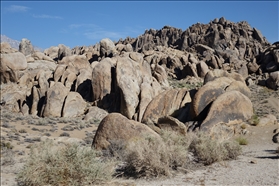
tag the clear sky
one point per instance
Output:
(79, 23)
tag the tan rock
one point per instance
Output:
(116, 127)
(74, 105)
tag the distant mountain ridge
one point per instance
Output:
(15, 43)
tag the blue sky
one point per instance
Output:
(79, 23)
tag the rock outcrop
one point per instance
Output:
(116, 127)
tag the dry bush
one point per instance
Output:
(177, 147)
(208, 150)
(64, 164)
(146, 158)
(152, 157)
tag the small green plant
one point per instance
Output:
(241, 140)
(254, 120)
(65, 164)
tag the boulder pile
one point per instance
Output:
(128, 82)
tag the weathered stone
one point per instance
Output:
(231, 107)
(207, 94)
(107, 48)
(128, 78)
(102, 82)
(161, 76)
(273, 80)
(202, 69)
(95, 113)
(41, 56)
(267, 120)
(173, 102)
(63, 51)
(5, 48)
(52, 52)
(74, 105)
(116, 127)
(55, 98)
(216, 73)
(26, 47)
(83, 83)
(171, 123)
(10, 65)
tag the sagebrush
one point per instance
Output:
(64, 164)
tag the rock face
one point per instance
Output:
(74, 105)
(129, 78)
(26, 47)
(116, 127)
(63, 51)
(55, 98)
(212, 90)
(107, 48)
(52, 52)
(102, 82)
(174, 102)
(95, 113)
(230, 107)
(10, 66)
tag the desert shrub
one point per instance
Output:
(65, 134)
(152, 157)
(208, 150)
(254, 120)
(241, 140)
(233, 149)
(22, 131)
(146, 158)
(66, 164)
(177, 147)
(68, 128)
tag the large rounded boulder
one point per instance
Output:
(116, 127)
(230, 107)
(10, 66)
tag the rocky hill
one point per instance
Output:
(219, 78)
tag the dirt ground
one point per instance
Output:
(257, 166)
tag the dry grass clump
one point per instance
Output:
(64, 164)
(241, 140)
(146, 158)
(208, 150)
(254, 120)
